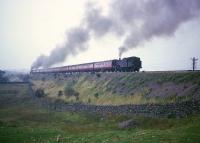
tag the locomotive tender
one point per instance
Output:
(130, 64)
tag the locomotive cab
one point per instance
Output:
(128, 64)
(133, 63)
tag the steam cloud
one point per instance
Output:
(136, 20)
(76, 40)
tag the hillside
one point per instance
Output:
(120, 88)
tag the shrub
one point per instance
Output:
(40, 93)
(69, 91)
(60, 93)
(96, 95)
(77, 98)
(76, 94)
(98, 75)
(89, 100)
(171, 115)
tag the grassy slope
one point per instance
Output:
(22, 121)
(125, 88)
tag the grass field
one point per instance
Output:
(30, 124)
(21, 121)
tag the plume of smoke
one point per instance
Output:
(96, 22)
(142, 20)
(76, 40)
(121, 50)
(137, 21)
(152, 18)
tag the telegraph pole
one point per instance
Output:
(194, 63)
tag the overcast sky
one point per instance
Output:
(29, 28)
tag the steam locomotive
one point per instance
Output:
(130, 64)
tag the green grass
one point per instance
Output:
(13, 89)
(21, 121)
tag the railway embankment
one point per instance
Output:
(120, 88)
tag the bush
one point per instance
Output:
(76, 94)
(77, 98)
(96, 95)
(171, 115)
(60, 93)
(98, 75)
(89, 100)
(40, 93)
(69, 91)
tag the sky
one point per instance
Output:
(30, 28)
